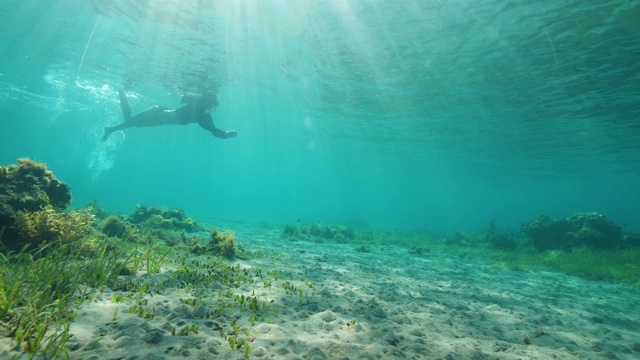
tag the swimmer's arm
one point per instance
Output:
(207, 124)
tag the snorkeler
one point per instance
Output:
(197, 109)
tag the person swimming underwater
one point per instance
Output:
(197, 109)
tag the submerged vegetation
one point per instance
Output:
(39, 289)
(591, 246)
(42, 285)
(31, 193)
(53, 260)
(39, 226)
(220, 243)
(620, 265)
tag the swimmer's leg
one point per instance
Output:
(149, 117)
(126, 112)
(124, 105)
(109, 129)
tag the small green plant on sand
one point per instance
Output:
(39, 288)
(188, 330)
(233, 336)
(155, 257)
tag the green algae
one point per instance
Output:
(37, 309)
(504, 250)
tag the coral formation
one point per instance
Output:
(28, 187)
(582, 229)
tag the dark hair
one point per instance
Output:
(209, 100)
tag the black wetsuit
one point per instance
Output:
(194, 111)
(191, 113)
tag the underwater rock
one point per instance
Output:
(27, 187)
(591, 223)
(631, 240)
(582, 229)
(290, 231)
(546, 233)
(161, 218)
(113, 226)
(497, 240)
(319, 232)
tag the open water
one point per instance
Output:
(438, 115)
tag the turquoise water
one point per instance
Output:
(438, 115)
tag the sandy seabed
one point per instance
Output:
(380, 304)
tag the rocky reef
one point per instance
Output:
(149, 224)
(500, 240)
(582, 229)
(161, 218)
(319, 232)
(28, 189)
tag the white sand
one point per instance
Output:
(404, 306)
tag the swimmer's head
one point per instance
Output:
(210, 100)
